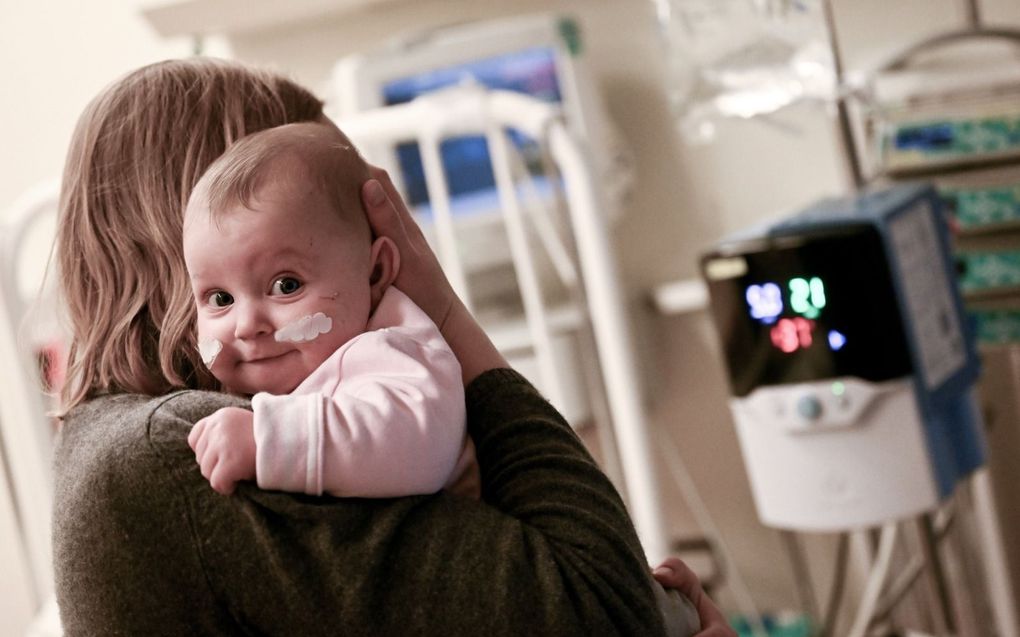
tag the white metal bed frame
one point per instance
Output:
(473, 110)
(25, 435)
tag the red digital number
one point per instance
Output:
(791, 334)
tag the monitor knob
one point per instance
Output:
(809, 407)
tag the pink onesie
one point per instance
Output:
(383, 416)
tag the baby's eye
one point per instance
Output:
(286, 285)
(220, 299)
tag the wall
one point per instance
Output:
(57, 55)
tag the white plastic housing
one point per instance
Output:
(836, 454)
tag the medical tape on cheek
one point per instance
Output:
(208, 349)
(306, 328)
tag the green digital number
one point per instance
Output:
(807, 297)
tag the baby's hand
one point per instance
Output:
(224, 445)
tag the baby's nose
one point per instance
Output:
(251, 321)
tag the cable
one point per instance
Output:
(689, 490)
(801, 574)
(838, 583)
(876, 580)
(899, 587)
(930, 545)
(973, 12)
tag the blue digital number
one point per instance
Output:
(765, 302)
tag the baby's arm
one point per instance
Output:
(392, 424)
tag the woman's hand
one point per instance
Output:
(420, 276)
(673, 573)
(422, 279)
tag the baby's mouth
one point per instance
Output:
(267, 358)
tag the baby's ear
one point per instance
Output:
(385, 260)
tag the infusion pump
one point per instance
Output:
(850, 362)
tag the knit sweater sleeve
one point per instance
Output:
(559, 508)
(549, 551)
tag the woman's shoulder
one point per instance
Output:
(121, 460)
(116, 432)
(125, 476)
(124, 416)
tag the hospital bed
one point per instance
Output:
(29, 336)
(572, 233)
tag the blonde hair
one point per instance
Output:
(322, 156)
(136, 153)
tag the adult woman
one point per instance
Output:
(142, 545)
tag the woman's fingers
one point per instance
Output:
(381, 214)
(388, 214)
(384, 215)
(420, 276)
(389, 190)
(410, 227)
(673, 573)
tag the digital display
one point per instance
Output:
(805, 297)
(808, 308)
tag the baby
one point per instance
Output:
(354, 391)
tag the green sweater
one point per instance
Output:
(143, 545)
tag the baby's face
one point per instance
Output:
(278, 288)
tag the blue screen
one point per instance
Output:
(466, 159)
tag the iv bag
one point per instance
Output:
(742, 58)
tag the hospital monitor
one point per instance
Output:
(850, 360)
(537, 55)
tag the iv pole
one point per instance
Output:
(851, 159)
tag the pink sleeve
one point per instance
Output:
(390, 422)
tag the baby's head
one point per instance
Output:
(282, 262)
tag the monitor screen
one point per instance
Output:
(808, 308)
(469, 172)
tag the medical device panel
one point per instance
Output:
(849, 360)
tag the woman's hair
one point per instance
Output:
(136, 153)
